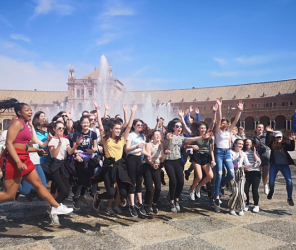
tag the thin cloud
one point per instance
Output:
(20, 37)
(105, 39)
(254, 60)
(120, 12)
(140, 71)
(221, 61)
(242, 73)
(5, 21)
(46, 6)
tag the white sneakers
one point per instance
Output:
(61, 209)
(246, 208)
(241, 213)
(232, 212)
(192, 194)
(266, 189)
(256, 209)
(197, 191)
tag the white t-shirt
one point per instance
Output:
(34, 157)
(136, 139)
(239, 162)
(222, 139)
(54, 142)
(95, 129)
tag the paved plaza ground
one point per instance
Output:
(26, 225)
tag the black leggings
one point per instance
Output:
(62, 184)
(135, 173)
(109, 185)
(150, 174)
(175, 173)
(252, 178)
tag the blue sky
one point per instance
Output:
(150, 44)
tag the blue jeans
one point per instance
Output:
(286, 172)
(222, 157)
(25, 188)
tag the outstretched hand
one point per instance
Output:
(125, 107)
(215, 107)
(170, 136)
(219, 102)
(190, 108)
(240, 105)
(269, 128)
(69, 113)
(196, 110)
(181, 113)
(134, 108)
(107, 106)
(79, 139)
(49, 136)
(292, 137)
(96, 105)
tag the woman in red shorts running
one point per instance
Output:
(15, 161)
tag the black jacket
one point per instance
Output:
(287, 147)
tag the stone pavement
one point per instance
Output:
(26, 225)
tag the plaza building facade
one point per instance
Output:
(269, 103)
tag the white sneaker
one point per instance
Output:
(246, 208)
(117, 210)
(54, 219)
(256, 209)
(197, 191)
(217, 209)
(232, 212)
(241, 213)
(61, 209)
(220, 201)
(266, 189)
(192, 194)
(109, 211)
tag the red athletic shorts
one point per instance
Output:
(9, 167)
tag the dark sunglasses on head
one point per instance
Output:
(139, 125)
(92, 119)
(61, 128)
(64, 116)
(179, 126)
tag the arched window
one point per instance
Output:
(252, 105)
(280, 122)
(249, 123)
(291, 103)
(274, 104)
(287, 103)
(78, 93)
(283, 104)
(267, 105)
(271, 105)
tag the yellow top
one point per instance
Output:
(113, 149)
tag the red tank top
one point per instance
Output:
(24, 136)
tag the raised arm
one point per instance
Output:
(197, 138)
(219, 115)
(181, 114)
(79, 140)
(107, 107)
(101, 127)
(130, 123)
(197, 114)
(125, 115)
(240, 107)
(212, 124)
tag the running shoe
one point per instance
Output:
(148, 209)
(109, 211)
(247, 208)
(266, 189)
(177, 205)
(54, 219)
(222, 191)
(217, 205)
(173, 208)
(187, 174)
(232, 212)
(61, 209)
(256, 209)
(269, 196)
(291, 202)
(96, 202)
(76, 204)
(141, 208)
(197, 191)
(133, 211)
(155, 209)
(117, 210)
(192, 194)
(241, 213)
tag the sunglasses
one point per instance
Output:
(139, 125)
(179, 126)
(64, 116)
(93, 120)
(61, 128)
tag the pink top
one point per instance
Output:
(24, 136)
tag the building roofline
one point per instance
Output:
(214, 86)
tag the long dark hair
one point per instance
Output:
(77, 125)
(172, 124)
(151, 134)
(12, 103)
(254, 144)
(195, 126)
(135, 122)
(110, 124)
(36, 122)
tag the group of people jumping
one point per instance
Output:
(125, 154)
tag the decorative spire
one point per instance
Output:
(71, 71)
